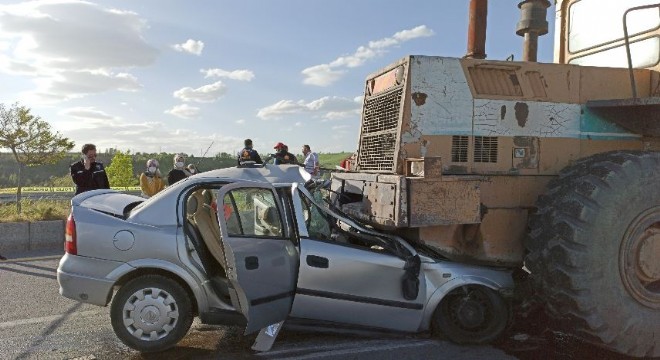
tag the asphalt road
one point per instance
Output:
(37, 323)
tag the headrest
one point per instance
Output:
(208, 196)
(191, 205)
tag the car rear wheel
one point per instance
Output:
(471, 315)
(151, 313)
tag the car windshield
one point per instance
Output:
(323, 223)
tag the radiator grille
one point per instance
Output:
(382, 112)
(459, 148)
(377, 151)
(485, 149)
(379, 131)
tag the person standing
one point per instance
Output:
(88, 174)
(283, 156)
(248, 155)
(311, 161)
(179, 172)
(151, 181)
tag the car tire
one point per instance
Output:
(151, 313)
(471, 314)
(593, 243)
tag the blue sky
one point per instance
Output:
(176, 76)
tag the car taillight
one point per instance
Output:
(70, 236)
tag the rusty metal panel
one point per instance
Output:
(526, 152)
(496, 241)
(433, 202)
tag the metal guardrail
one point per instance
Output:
(59, 189)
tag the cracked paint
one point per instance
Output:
(543, 119)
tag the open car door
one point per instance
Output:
(262, 261)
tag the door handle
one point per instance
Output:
(251, 262)
(317, 261)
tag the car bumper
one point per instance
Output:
(84, 279)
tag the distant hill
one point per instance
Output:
(58, 174)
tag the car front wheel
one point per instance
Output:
(471, 315)
(151, 313)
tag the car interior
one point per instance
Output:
(203, 232)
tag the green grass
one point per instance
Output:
(329, 161)
(35, 210)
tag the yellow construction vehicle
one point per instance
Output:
(554, 167)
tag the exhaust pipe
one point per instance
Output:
(532, 24)
(476, 47)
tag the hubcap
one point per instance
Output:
(150, 314)
(639, 258)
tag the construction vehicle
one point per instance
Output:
(554, 167)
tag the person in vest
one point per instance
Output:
(179, 172)
(248, 155)
(283, 156)
(88, 174)
(151, 181)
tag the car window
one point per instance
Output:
(252, 212)
(321, 225)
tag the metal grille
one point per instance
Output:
(380, 123)
(382, 112)
(489, 81)
(377, 151)
(459, 148)
(485, 149)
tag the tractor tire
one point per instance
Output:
(593, 249)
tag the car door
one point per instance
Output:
(353, 277)
(262, 261)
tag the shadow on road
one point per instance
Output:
(38, 340)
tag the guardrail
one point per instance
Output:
(64, 189)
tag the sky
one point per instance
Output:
(200, 76)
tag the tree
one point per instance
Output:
(31, 141)
(120, 170)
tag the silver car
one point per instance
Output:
(253, 247)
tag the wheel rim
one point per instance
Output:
(470, 311)
(638, 258)
(150, 314)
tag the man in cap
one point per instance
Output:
(248, 155)
(283, 156)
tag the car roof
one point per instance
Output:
(274, 174)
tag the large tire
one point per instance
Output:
(151, 313)
(471, 314)
(594, 251)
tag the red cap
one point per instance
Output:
(279, 145)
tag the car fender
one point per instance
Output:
(189, 279)
(446, 288)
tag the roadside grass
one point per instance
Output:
(35, 210)
(329, 161)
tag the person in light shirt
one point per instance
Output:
(311, 161)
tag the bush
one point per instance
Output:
(35, 210)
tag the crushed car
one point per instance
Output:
(253, 247)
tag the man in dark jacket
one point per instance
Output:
(283, 156)
(248, 156)
(88, 174)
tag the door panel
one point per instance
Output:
(261, 263)
(357, 287)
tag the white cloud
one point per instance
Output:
(326, 107)
(184, 111)
(240, 121)
(190, 46)
(59, 42)
(151, 137)
(86, 113)
(203, 94)
(242, 75)
(326, 74)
